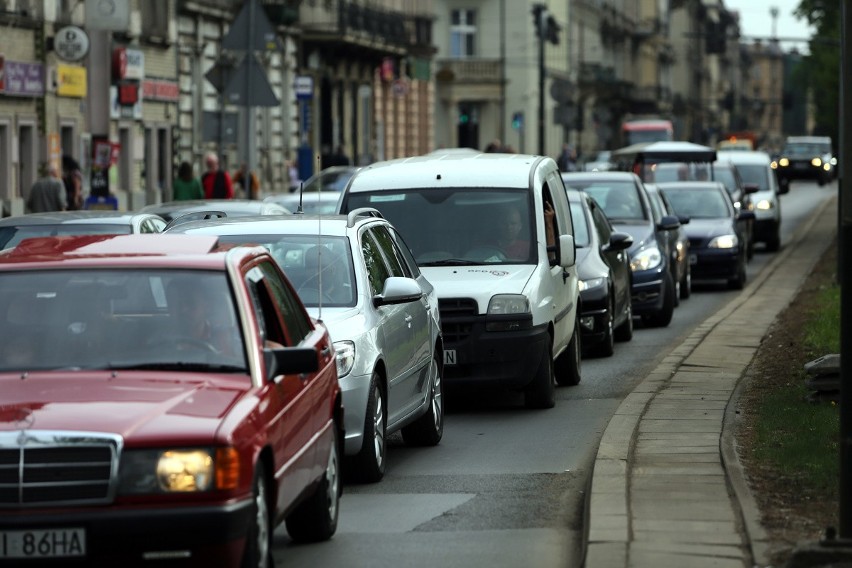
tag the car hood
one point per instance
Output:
(708, 228)
(132, 404)
(342, 323)
(642, 234)
(480, 282)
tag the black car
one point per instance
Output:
(626, 203)
(806, 157)
(678, 241)
(715, 229)
(603, 271)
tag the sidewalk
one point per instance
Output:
(668, 489)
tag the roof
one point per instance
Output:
(646, 124)
(666, 151)
(72, 217)
(328, 225)
(696, 185)
(607, 175)
(115, 250)
(483, 170)
(231, 206)
(745, 157)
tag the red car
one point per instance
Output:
(160, 400)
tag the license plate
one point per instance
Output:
(693, 259)
(450, 357)
(47, 543)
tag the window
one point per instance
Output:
(264, 308)
(463, 33)
(155, 19)
(396, 262)
(377, 271)
(405, 252)
(295, 318)
(602, 224)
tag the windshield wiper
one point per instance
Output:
(452, 262)
(175, 366)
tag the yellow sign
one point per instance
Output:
(70, 81)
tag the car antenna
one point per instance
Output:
(319, 241)
(301, 194)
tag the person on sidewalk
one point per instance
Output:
(217, 183)
(250, 190)
(186, 186)
(48, 193)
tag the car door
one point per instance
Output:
(563, 280)
(289, 401)
(393, 334)
(670, 237)
(616, 259)
(418, 329)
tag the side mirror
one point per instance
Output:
(567, 254)
(751, 188)
(669, 223)
(619, 241)
(684, 219)
(290, 361)
(398, 290)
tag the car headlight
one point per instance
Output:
(833, 161)
(765, 204)
(816, 162)
(774, 164)
(590, 283)
(826, 166)
(508, 312)
(724, 242)
(646, 259)
(178, 470)
(344, 357)
(783, 162)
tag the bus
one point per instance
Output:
(646, 130)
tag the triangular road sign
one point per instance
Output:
(248, 85)
(243, 36)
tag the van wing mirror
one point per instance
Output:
(567, 253)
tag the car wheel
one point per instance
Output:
(624, 332)
(738, 281)
(568, 364)
(369, 464)
(607, 345)
(315, 519)
(686, 284)
(428, 429)
(663, 317)
(259, 538)
(541, 392)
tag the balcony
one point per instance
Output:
(469, 70)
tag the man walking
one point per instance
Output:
(217, 183)
(48, 193)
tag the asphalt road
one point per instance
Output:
(507, 486)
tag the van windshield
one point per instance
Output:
(458, 226)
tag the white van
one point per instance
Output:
(507, 286)
(755, 169)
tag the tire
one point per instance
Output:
(624, 332)
(664, 316)
(368, 466)
(738, 281)
(607, 345)
(428, 429)
(258, 549)
(541, 392)
(568, 364)
(315, 519)
(686, 284)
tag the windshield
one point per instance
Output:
(639, 136)
(755, 174)
(695, 171)
(620, 199)
(11, 236)
(119, 319)
(300, 256)
(581, 227)
(698, 203)
(459, 225)
(809, 149)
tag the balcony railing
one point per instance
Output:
(471, 70)
(393, 27)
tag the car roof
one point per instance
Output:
(698, 185)
(191, 205)
(73, 217)
(472, 171)
(755, 157)
(327, 225)
(810, 139)
(608, 176)
(172, 251)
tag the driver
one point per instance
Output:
(190, 307)
(508, 232)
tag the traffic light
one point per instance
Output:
(552, 30)
(518, 120)
(537, 12)
(464, 116)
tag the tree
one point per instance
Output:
(820, 69)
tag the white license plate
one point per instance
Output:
(450, 357)
(693, 259)
(48, 543)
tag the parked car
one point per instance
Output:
(381, 312)
(678, 241)
(492, 232)
(755, 168)
(161, 401)
(169, 210)
(806, 157)
(322, 203)
(604, 276)
(655, 284)
(332, 178)
(19, 227)
(601, 162)
(715, 229)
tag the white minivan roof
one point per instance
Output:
(488, 170)
(735, 158)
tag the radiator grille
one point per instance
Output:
(457, 318)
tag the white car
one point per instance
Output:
(755, 169)
(381, 312)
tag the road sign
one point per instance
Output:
(248, 86)
(303, 86)
(260, 36)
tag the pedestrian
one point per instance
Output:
(567, 160)
(494, 146)
(186, 185)
(73, 181)
(217, 183)
(47, 193)
(293, 176)
(250, 190)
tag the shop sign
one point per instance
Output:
(161, 90)
(117, 110)
(128, 64)
(70, 81)
(23, 79)
(71, 43)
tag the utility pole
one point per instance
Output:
(546, 29)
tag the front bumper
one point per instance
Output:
(715, 263)
(355, 390)
(647, 291)
(595, 316)
(191, 535)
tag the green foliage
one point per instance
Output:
(821, 67)
(822, 336)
